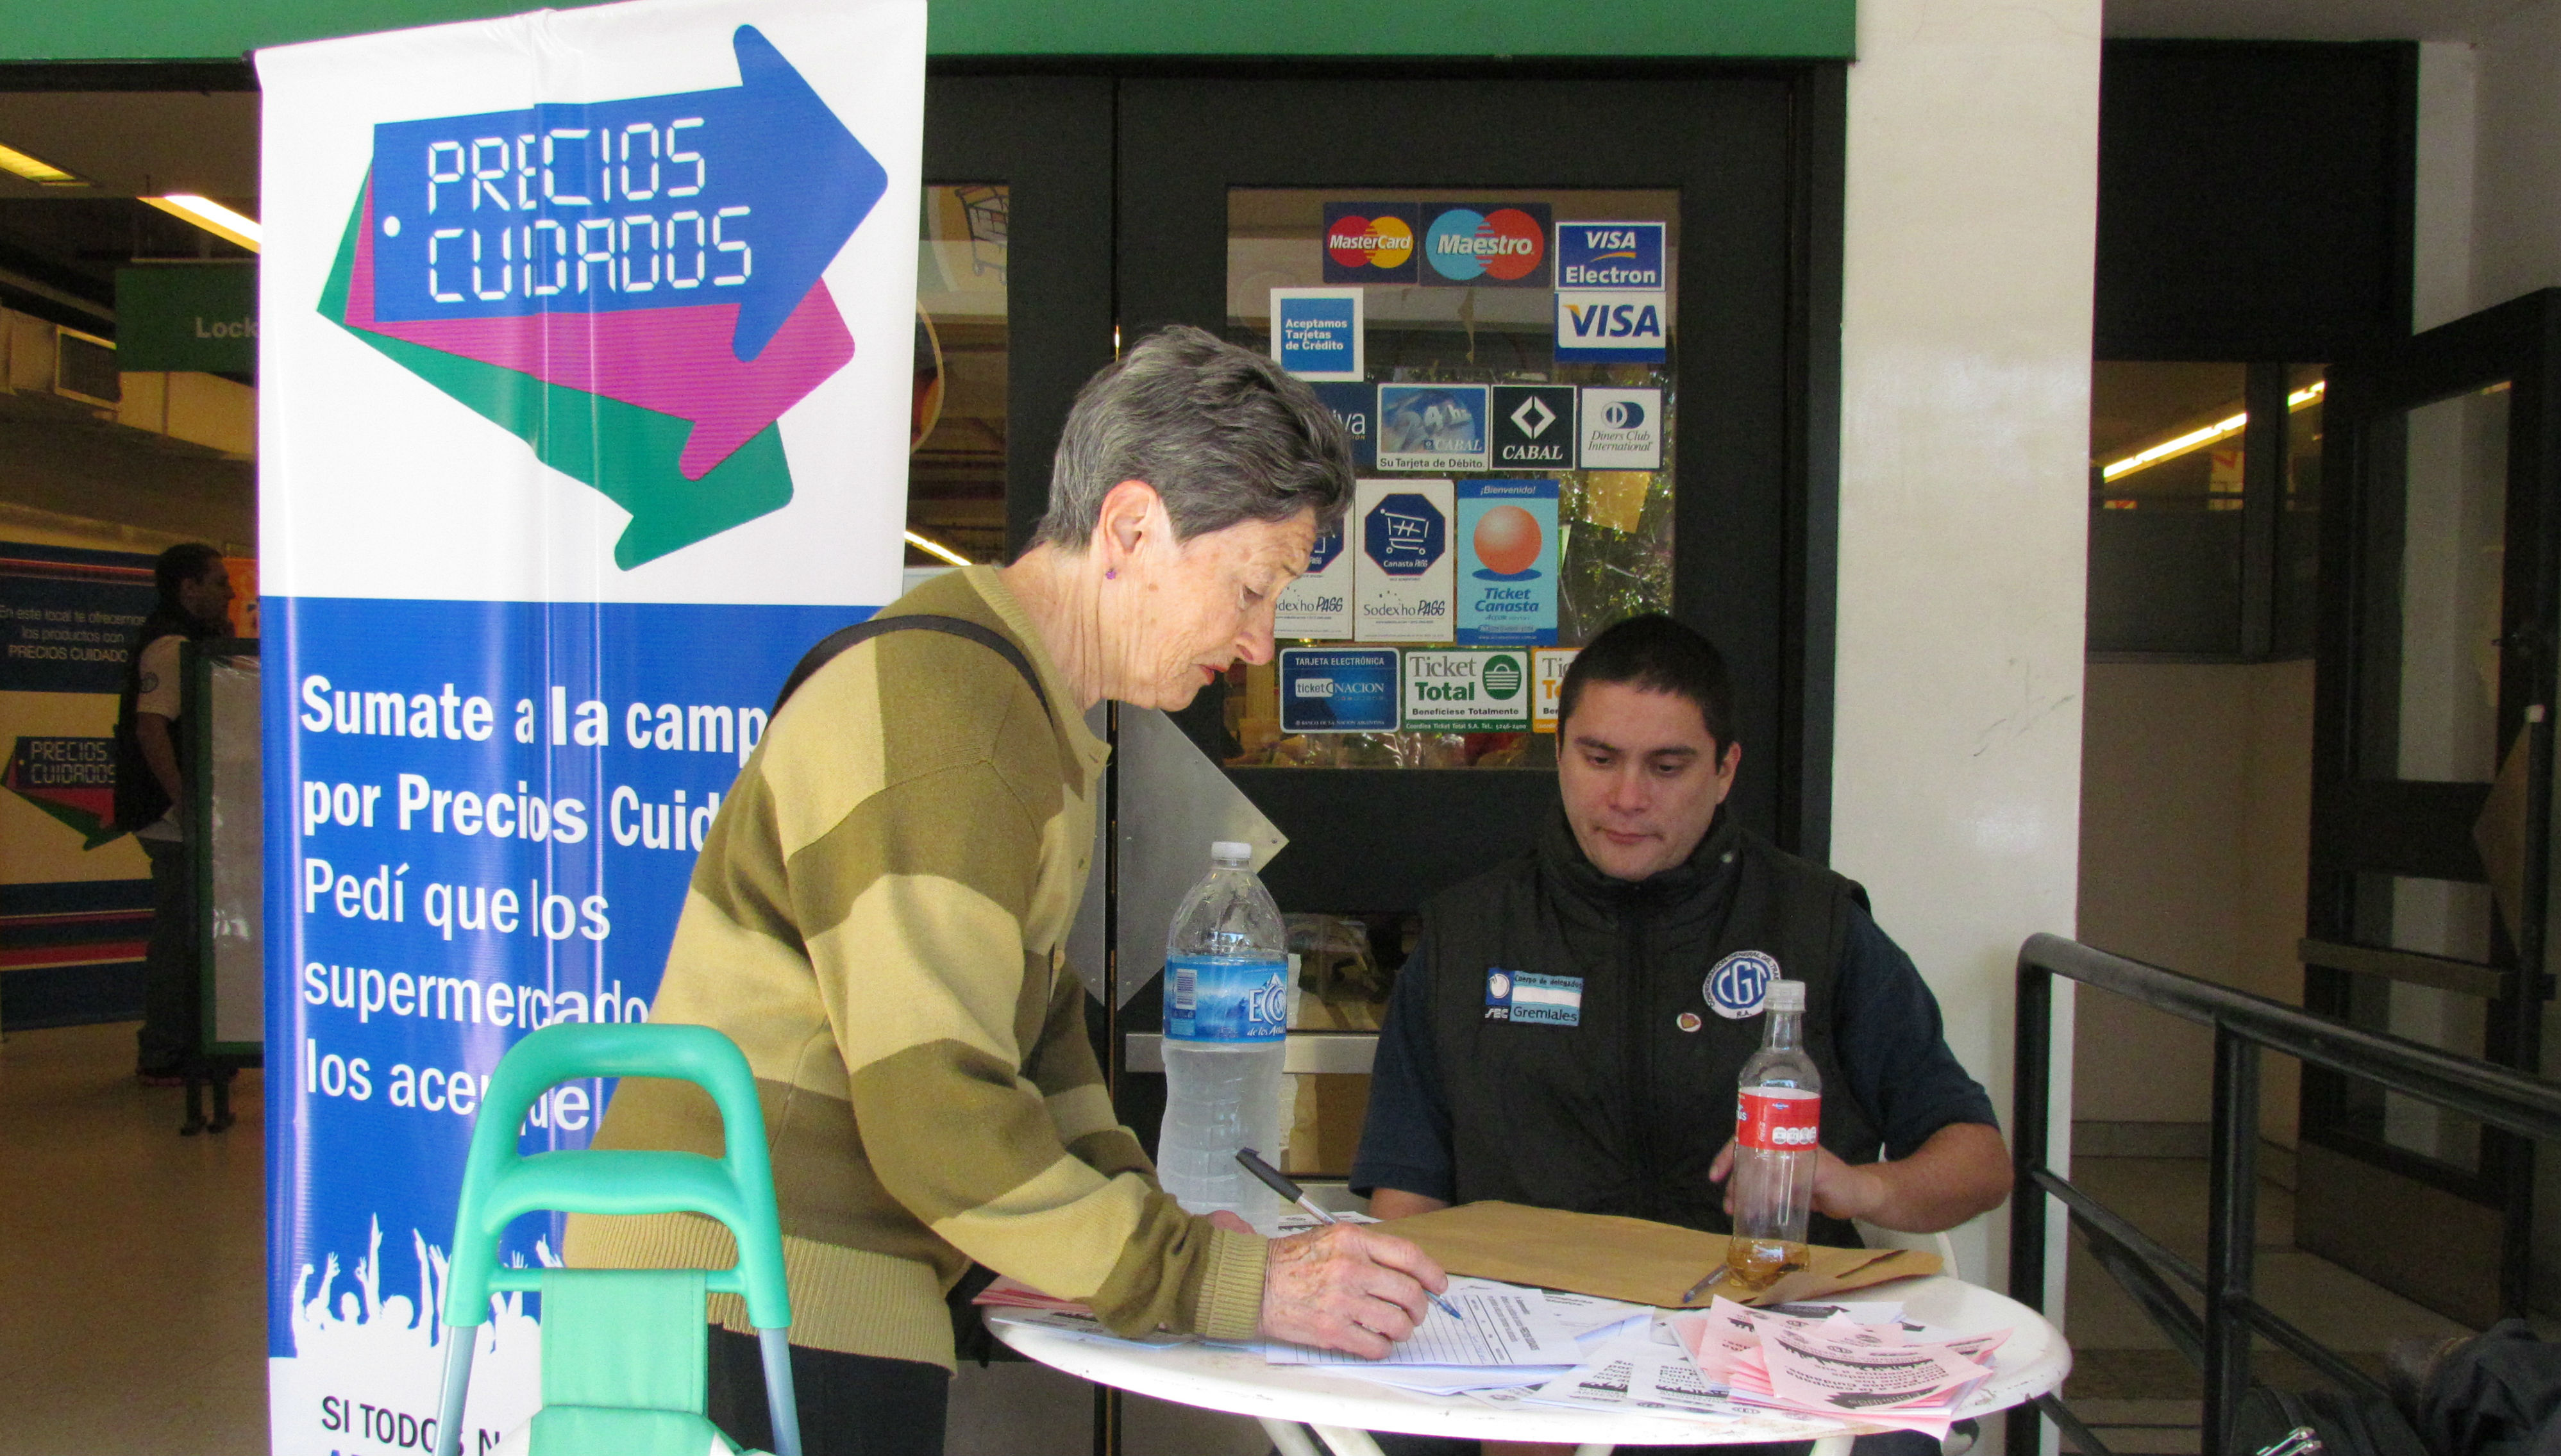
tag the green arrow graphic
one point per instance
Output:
(627, 453)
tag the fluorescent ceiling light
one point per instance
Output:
(44, 173)
(2197, 440)
(937, 548)
(211, 216)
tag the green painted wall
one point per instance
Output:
(205, 29)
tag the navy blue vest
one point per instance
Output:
(1624, 1111)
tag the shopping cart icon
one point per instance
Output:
(1405, 534)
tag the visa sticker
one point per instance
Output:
(1740, 983)
(1527, 996)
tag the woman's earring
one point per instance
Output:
(1111, 576)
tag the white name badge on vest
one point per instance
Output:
(1740, 983)
(1527, 996)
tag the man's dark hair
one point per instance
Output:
(1656, 654)
(177, 566)
(1223, 433)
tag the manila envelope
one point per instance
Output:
(1633, 1259)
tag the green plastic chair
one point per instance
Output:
(624, 1350)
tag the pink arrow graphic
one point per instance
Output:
(673, 361)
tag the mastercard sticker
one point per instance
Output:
(1487, 246)
(1370, 242)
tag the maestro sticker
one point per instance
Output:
(1740, 983)
(1486, 245)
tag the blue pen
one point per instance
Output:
(1273, 1179)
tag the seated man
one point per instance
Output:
(1660, 921)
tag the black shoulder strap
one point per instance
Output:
(844, 637)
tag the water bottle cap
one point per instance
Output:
(1227, 854)
(1785, 996)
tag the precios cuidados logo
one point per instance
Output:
(631, 286)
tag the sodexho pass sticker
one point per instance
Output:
(1211, 997)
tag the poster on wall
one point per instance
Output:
(586, 366)
(75, 891)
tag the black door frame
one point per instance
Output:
(1755, 152)
(2365, 819)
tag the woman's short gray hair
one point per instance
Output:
(1222, 433)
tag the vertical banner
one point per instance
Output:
(586, 363)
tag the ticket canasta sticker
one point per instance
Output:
(1778, 1119)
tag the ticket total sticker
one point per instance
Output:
(1457, 690)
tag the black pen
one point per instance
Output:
(1273, 1179)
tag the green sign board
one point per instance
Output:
(135, 30)
(201, 317)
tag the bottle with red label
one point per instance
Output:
(1778, 1115)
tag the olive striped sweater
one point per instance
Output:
(878, 918)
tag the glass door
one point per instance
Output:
(2433, 779)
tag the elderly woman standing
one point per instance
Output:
(879, 914)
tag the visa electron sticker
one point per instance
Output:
(1218, 998)
(1338, 690)
(1370, 242)
(1547, 667)
(1486, 245)
(1462, 692)
(1778, 1119)
(1508, 562)
(1609, 256)
(1316, 333)
(1527, 996)
(1533, 426)
(1622, 430)
(1402, 571)
(1318, 601)
(1432, 427)
(1609, 326)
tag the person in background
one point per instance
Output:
(1666, 919)
(195, 597)
(879, 917)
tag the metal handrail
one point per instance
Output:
(2244, 1026)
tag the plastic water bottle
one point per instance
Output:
(1777, 1116)
(1226, 1008)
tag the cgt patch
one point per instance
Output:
(1740, 983)
(1527, 996)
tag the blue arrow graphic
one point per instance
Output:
(740, 195)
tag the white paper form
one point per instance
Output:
(1594, 1321)
(1443, 1379)
(1505, 1325)
(1637, 1373)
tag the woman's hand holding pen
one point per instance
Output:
(1346, 1287)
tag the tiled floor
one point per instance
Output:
(132, 1317)
(133, 1260)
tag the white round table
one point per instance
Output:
(1344, 1410)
